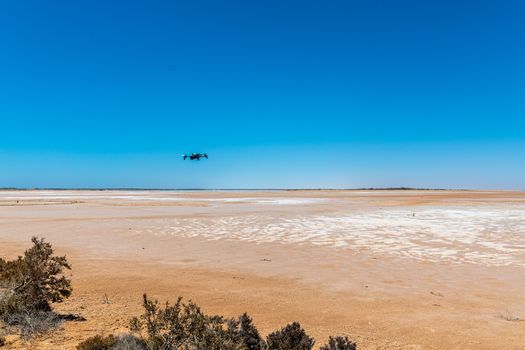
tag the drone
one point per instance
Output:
(195, 156)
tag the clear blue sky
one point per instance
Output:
(279, 93)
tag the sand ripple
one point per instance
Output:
(481, 235)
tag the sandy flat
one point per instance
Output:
(390, 269)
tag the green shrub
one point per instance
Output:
(129, 342)
(28, 286)
(182, 326)
(339, 343)
(244, 330)
(98, 343)
(33, 281)
(111, 342)
(291, 337)
(29, 324)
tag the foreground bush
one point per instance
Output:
(183, 326)
(28, 286)
(290, 337)
(125, 342)
(244, 330)
(98, 343)
(35, 280)
(339, 343)
(29, 324)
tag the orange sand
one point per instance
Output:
(124, 246)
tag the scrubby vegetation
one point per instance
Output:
(98, 342)
(111, 342)
(28, 287)
(183, 326)
(244, 329)
(30, 284)
(339, 343)
(290, 337)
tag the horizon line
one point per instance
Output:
(402, 188)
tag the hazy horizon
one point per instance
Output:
(403, 188)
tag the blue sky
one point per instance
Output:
(279, 93)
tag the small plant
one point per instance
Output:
(129, 342)
(291, 337)
(244, 330)
(98, 343)
(31, 323)
(508, 316)
(35, 280)
(339, 343)
(182, 326)
(28, 286)
(111, 342)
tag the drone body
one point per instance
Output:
(195, 156)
